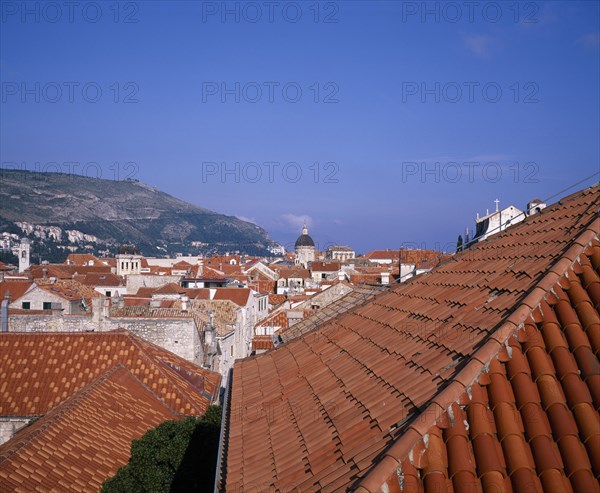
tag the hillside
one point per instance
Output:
(71, 211)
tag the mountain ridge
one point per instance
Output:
(117, 212)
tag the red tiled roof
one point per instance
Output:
(352, 400)
(529, 409)
(325, 266)
(277, 299)
(81, 259)
(145, 292)
(100, 279)
(212, 272)
(263, 286)
(365, 278)
(17, 288)
(181, 265)
(277, 319)
(69, 289)
(238, 295)
(198, 293)
(262, 342)
(406, 256)
(170, 288)
(222, 259)
(85, 439)
(64, 271)
(382, 254)
(57, 271)
(40, 370)
(229, 269)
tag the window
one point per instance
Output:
(108, 294)
(47, 305)
(26, 305)
(231, 350)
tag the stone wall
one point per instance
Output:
(9, 426)
(51, 323)
(137, 281)
(178, 335)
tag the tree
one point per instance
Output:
(177, 455)
(459, 243)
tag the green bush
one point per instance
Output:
(176, 456)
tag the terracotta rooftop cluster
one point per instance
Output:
(94, 394)
(481, 375)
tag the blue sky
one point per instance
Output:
(380, 123)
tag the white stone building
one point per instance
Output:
(305, 248)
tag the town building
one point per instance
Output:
(304, 248)
(24, 254)
(129, 261)
(341, 253)
(497, 221)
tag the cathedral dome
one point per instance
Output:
(304, 240)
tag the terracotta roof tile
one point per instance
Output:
(239, 296)
(16, 288)
(75, 445)
(384, 367)
(62, 363)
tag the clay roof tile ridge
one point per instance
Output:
(401, 448)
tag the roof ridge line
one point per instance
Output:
(160, 365)
(481, 358)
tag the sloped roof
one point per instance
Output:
(101, 279)
(85, 439)
(81, 259)
(170, 288)
(382, 254)
(358, 296)
(406, 256)
(276, 319)
(16, 287)
(65, 271)
(40, 370)
(325, 266)
(365, 278)
(277, 299)
(239, 296)
(69, 289)
(371, 381)
(530, 420)
(262, 342)
(182, 264)
(59, 271)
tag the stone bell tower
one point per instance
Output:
(24, 250)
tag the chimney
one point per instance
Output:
(385, 278)
(341, 275)
(44, 273)
(106, 308)
(184, 303)
(4, 313)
